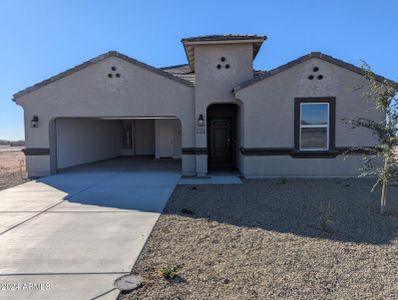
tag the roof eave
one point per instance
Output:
(257, 40)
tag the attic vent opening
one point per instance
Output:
(113, 73)
(314, 70)
(226, 66)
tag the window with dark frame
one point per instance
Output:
(315, 124)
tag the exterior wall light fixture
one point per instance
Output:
(35, 122)
(201, 121)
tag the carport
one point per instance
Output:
(80, 141)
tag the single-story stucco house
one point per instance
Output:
(215, 111)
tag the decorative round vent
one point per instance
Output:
(223, 59)
(314, 70)
(113, 74)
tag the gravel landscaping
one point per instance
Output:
(12, 167)
(263, 240)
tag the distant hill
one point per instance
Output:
(12, 143)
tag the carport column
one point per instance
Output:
(201, 145)
(37, 146)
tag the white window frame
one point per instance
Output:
(327, 126)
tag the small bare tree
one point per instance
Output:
(380, 160)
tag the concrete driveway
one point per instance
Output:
(69, 236)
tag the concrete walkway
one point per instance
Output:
(215, 177)
(69, 236)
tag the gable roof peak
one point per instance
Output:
(319, 55)
(94, 61)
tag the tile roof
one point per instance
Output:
(94, 61)
(181, 71)
(224, 37)
(300, 60)
(184, 72)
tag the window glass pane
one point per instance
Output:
(314, 114)
(313, 138)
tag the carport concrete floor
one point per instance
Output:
(76, 232)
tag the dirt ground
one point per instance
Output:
(12, 167)
(263, 240)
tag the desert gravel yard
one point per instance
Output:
(262, 240)
(12, 167)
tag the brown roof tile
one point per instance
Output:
(224, 37)
(181, 71)
(185, 72)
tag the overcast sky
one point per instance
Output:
(41, 38)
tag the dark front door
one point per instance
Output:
(220, 142)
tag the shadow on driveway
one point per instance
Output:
(125, 183)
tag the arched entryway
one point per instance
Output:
(222, 135)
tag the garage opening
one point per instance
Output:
(79, 141)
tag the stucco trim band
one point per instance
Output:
(36, 151)
(293, 152)
(194, 151)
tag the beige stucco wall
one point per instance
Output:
(90, 93)
(240, 137)
(214, 85)
(265, 115)
(287, 166)
(269, 118)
